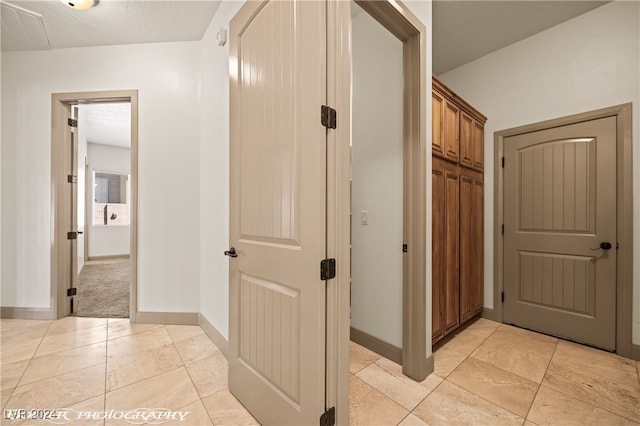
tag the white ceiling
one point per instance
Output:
(467, 30)
(462, 31)
(106, 123)
(45, 24)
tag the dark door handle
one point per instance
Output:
(231, 252)
(603, 246)
(80, 232)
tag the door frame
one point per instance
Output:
(400, 21)
(624, 231)
(60, 198)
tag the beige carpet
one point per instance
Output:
(103, 290)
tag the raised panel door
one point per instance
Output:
(450, 119)
(467, 149)
(478, 145)
(437, 139)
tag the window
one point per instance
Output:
(111, 198)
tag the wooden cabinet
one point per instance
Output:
(445, 286)
(471, 230)
(457, 215)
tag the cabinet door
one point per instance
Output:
(437, 140)
(471, 244)
(451, 236)
(477, 295)
(451, 119)
(467, 149)
(438, 250)
(467, 245)
(478, 146)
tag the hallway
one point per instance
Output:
(487, 374)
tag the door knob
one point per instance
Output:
(231, 252)
(603, 246)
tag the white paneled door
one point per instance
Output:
(560, 231)
(278, 210)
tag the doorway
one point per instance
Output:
(564, 196)
(376, 186)
(75, 235)
(104, 210)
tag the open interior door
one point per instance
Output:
(278, 210)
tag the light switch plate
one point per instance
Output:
(364, 217)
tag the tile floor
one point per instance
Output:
(488, 374)
(493, 374)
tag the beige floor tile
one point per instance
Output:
(60, 391)
(504, 389)
(556, 408)
(15, 349)
(138, 342)
(10, 374)
(368, 406)
(72, 339)
(386, 376)
(170, 390)
(123, 328)
(197, 416)
(529, 423)
(452, 405)
(196, 348)
(83, 412)
(446, 360)
(57, 363)
(224, 409)
(182, 332)
(638, 368)
(521, 352)
(506, 328)
(24, 329)
(4, 397)
(360, 357)
(209, 375)
(432, 381)
(596, 377)
(67, 324)
(468, 340)
(124, 370)
(413, 420)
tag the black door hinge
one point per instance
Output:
(503, 229)
(72, 235)
(327, 269)
(72, 122)
(503, 162)
(72, 179)
(328, 418)
(405, 248)
(328, 117)
(72, 291)
(502, 297)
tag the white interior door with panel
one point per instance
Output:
(278, 210)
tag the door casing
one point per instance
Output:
(624, 184)
(61, 200)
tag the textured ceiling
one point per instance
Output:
(467, 30)
(30, 25)
(106, 123)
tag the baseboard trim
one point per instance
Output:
(215, 336)
(9, 312)
(376, 345)
(109, 257)
(490, 314)
(635, 352)
(167, 318)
